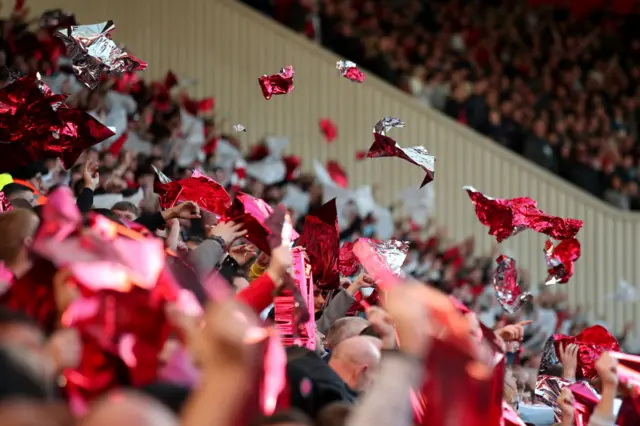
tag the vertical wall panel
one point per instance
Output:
(225, 47)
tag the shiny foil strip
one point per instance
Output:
(284, 305)
(506, 287)
(93, 52)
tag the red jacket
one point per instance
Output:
(259, 294)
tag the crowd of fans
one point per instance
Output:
(203, 375)
(557, 89)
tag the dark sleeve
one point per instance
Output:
(152, 221)
(354, 227)
(229, 269)
(85, 200)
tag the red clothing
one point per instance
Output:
(259, 294)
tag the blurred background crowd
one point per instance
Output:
(558, 90)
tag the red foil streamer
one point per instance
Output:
(585, 400)
(507, 217)
(93, 52)
(277, 84)
(350, 71)
(293, 334)
(5, 204)
(252, 212)
(34, 295)
(328, 130)
(321, 240)
(337, 173)
(560, 259)
(348, 263)
(384, 146)
(462, 388)
(35, 123)
(126, 332)
(592, 342)
(199, 188)
(506, 287)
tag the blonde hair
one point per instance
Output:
(15, 227)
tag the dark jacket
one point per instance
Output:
(313, 384)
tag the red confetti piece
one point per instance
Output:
(199, 188)
(277, 84)
(328, 129)
(350, 71)
(384, 146)
(560, 260)
(337, 173)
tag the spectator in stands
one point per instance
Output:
(553, 88)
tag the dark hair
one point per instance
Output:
(20, 203)
(29, 171)
(334, 414)
(126, 206)
(16, 381)
(289, 416)
(15, 188)
(370, 331)
(172, 395)
(10, 316)
(108, 214)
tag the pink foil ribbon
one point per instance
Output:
(628, 370)
(506, 287)
(560, 259)
(284, 305)
(376, 255)
(274, 379)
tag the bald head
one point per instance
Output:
(343, 329)
(128, 408)
(355, 360)
(34, 413)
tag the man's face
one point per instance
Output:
(26, 195)
(125, 215)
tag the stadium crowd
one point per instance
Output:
(559, 89)
(369, 348)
